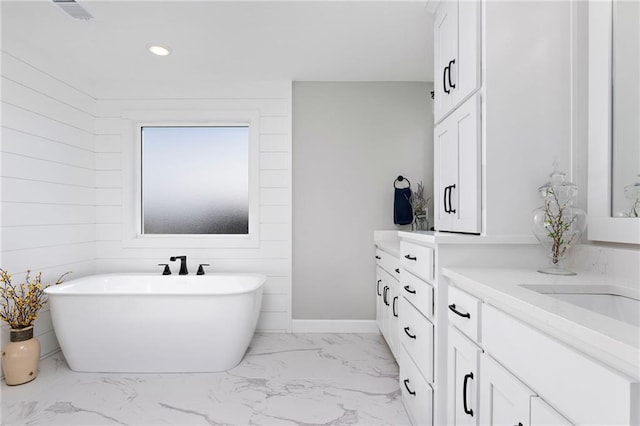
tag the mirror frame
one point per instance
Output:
(601, 225)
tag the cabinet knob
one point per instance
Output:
(378, 257)
(397, 270)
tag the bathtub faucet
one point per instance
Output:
(183, 264)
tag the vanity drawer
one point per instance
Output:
(388, 262)
(418, 292)
(417, 394)
(417, 259)
(416, 335)
(464, 313)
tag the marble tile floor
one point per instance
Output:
(284, 379)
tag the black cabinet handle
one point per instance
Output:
(444, 201)
(409, 289)
(397, 270)
(408, 256)
(519, 424)
(406, 385)
(444, 80)
(451, 62)
(451, 188)
(406, 331)
(467, 410)
(378, 288)
(378, 257)
(453, 309)
(393, 306)
(384, 295)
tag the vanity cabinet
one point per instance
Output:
(457, 151)
(524, 376)
(457, 53)
(387, 295)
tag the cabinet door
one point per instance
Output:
(394, 323)
(379, 302)
(445, 51)
(463, 359)
(457, 170)
(465, 71)
(504, 400)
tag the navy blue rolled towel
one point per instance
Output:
(402, 211)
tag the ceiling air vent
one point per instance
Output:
(73, 9)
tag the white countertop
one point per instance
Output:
(613, 342)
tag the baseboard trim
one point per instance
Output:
(334, 326)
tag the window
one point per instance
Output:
(191, 179)
(194, 180)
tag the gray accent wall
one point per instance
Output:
(350, 142)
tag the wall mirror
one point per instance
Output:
(614, 128)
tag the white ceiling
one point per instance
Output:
(232, 40)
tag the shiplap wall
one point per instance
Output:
(272, 100)
(48, 189)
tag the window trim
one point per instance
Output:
(133, 121)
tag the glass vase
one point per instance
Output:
(557, 224)
(420, 221)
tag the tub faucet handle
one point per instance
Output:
(166, 270)
(201, 269)
(183, 264)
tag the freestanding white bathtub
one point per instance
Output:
(142, 323)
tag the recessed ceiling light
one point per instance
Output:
(159, 49)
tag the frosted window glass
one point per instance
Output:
(195, 180)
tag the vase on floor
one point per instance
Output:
(21, 357)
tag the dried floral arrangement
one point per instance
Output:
(557, 225)
(20, 303)
(418, 202)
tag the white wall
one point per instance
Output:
(48, 195)
(272, 101)
(350, 142)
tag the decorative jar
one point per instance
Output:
(557, 224)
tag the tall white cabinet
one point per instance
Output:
(506, 105)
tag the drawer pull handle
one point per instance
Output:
(406, 385)
(406, 331)
(397, 270)
(384, 295)
(378, 288)
(409, 289)
(378, 257)
(393, 307)
(408, 256)
(453, 309)
(467, 410)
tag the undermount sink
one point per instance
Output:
(620, 303)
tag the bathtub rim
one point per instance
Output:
(61, 289)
